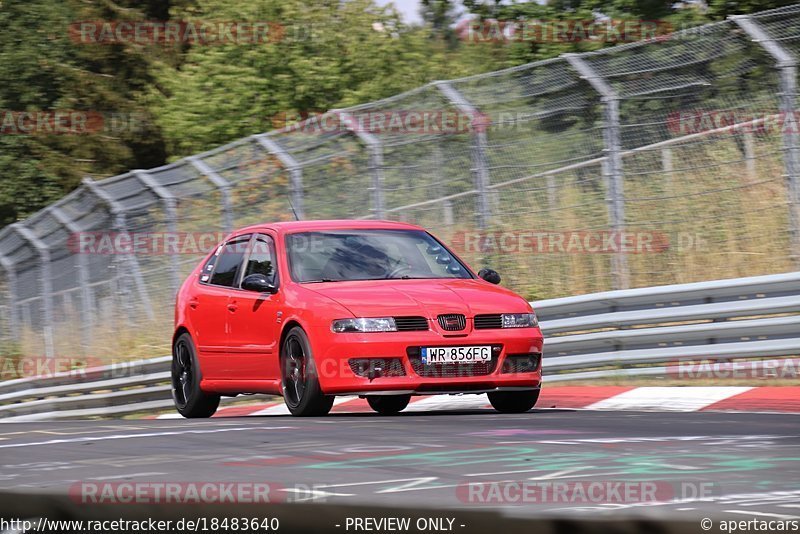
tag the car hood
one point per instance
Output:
(428, 298)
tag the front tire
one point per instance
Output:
(388, 404)
(299, 379)
(190, 401)
(514, 401)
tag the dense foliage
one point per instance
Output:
(166, 100)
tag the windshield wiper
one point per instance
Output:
(319, 281)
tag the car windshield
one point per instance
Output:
(339, 255)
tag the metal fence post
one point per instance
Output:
(480, 164)
(87, 304)
(613, 147)
(438, 167)
(375, 148)
(786, 64)
(224, 189)
(45, 287)
(11, 289)
(171, 212)
(120, 225)
(295, 172)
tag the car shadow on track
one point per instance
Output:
(433, 413)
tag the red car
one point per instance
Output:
(314, 309)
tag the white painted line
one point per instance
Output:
(275, 409)
(680, 399)
(131, 475)
(170, 416)
(532, 470)
(409, 484)
(281, 409)
(763, 514)
(315, 494)
(131, 436)
(372, 482)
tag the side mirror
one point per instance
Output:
(490, 275)
(258, 282)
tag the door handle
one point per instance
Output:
(193, 303)
(232, 307)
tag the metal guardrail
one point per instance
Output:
(600, 335)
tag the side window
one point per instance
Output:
(229, 259)
(262, 258)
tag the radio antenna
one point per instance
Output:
(296, 218)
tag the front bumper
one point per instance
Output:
(333, 352)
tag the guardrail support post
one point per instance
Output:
(295, 170)
(786, 64)
(615, 195)
(375, 148)
(45, 286)
(11, 290)
(120, 226)
(87, 304)
(480, 165)
(171, 212)
(224, 189)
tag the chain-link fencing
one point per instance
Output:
(663, 161)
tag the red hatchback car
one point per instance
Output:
(314, 309)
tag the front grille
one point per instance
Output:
(377, 367)
(484, 322)
(451, 370)
(521, 363)
(452, 322)
(406, 324)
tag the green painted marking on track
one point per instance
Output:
(526, 457)
(437, 458)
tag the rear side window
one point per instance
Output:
(262, 258)
(228, 261)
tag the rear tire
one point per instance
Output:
(190, 401)
(388, 404)
(299, 379)
(514, 401)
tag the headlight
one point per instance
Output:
(374, 324)
(519, 320)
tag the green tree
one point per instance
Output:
(44, 69)
(330, 54)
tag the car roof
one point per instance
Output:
(334, 224)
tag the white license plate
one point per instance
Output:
(473, 354)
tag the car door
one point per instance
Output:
(253, 318)
(209, 307)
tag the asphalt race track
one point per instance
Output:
(743, 465)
